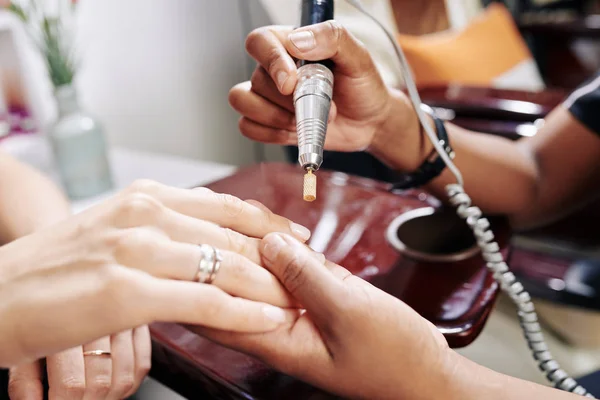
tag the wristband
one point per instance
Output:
(429, 170)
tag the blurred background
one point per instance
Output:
(153, 79)
(158, 76)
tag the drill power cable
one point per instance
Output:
(485, 238)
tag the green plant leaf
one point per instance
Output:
(18, 11)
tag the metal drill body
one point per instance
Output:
(312, 102)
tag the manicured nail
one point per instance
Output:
(282, 78)
(300, 231)
(304, 41)
(275, 313)
(273, 245)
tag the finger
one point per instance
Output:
(242, 278)
(206, 305)
(165, 258)
(25, 382)
(265, 45)
(296, 266)
(258, 204)
(265, 134)
(202, 203)
(123, 365)
(66, 375)
(142, 347)
(330, 40)
(98, 369)
(114, 298)
(289, 350)
(183, 229)
(250, 104)
(263, 85)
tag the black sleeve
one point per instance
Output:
(584, 104)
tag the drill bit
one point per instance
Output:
(310, 186)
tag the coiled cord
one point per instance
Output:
(490, 249)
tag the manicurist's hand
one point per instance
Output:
(354, 339)
(362, 104)
(132, 260)
(358, 342)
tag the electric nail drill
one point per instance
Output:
(312, 100)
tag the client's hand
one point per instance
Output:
(71, 375)
(361, 101)
(354, 339)
(131, 261)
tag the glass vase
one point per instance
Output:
(79, 147)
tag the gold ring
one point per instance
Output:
(96, 353)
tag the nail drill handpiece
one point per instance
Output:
(312, 101)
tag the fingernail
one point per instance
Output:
(275, 313)
(282, 78)
(273, 245)
(303, 41)
(300, 231)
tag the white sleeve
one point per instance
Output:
(283, 12)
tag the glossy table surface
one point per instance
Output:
(493, 104)
(508, 113)
(349, 222)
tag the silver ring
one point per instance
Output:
(216, 265)
(209, 264)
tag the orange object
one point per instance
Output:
(480, 54)
(310, 187)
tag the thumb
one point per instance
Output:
(301, 273)
(331, 40)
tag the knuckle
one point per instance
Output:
(71, 388)
(235, 241)
(232, 206)
(336, 31)
(243, 126)
(269, 221)
(139, 208)
(237, 267)
(111, 241)
(236, 95)
(147, 186)
(213, 314)
(15, 386)
(272, 59)
(117, 288)
(254, 38)
(291, 273)
(259, 78)
(134, 241)
(99, 386)
(124, 384)
(203, 190)
(285, 120)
